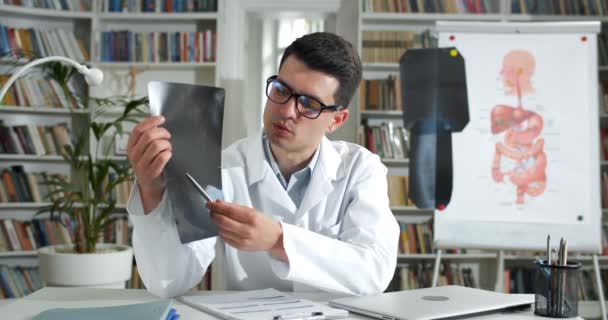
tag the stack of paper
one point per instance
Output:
(261, 305)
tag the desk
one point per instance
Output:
(49, 298)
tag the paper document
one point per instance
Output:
(267, 304)
(193, 116)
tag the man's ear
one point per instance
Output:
(337, 120)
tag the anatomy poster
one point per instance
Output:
(527, 154)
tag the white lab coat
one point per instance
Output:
(343, 237)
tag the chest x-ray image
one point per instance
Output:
(435, 104)
(193, 115)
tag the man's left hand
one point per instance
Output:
(247, 229)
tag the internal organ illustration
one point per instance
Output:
(520, 156)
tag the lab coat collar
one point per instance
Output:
(328, 169)
(329, 162)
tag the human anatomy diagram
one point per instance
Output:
(520, 156)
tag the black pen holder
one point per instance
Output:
(556, 290)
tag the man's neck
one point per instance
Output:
(290, 162)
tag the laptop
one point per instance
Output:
(432, 303)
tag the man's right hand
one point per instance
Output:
(149, 150)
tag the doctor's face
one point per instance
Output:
(288, 129)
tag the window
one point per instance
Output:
(277, 35)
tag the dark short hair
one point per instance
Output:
(332, 55)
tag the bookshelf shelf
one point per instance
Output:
(410, 210)
(30, 157)
(380, 67)
(160, 65)
(602, 68)
(23, 205)
(489, 255)
(41, 110)
(159, 16)
(452, 256)
(87, 28)
(36, 205)
(47, 13)
(409, 18)
(381, 114)
(570, 258)
(539, 17)
(115, 158)
(7, 254)
(395, 162)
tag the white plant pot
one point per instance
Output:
(110, 268)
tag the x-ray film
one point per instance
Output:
(435, 104)
(193, 115)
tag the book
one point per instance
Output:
(157, 310)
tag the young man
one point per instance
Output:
(301, 213)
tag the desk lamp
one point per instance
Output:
(92, 76)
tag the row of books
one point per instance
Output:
(381, 94)
(604, 190)
(66, 5)
(32, 139)
(559, 7)
(602, 56)
(136, 283)
(588, 284)
(386, 140)
(160, 5)
(518, 280)
(35, 90)
(17, 282)
(32, 42)
(542, 7)
(398, 191)
(17, 185)
(521, 280)
(17, 235)
(605, 239)
(420, 275)
(603, 93)
(389, 46)
(128, 46)
(121, 192)
(432, 6)
(416, 238)
(117, 232)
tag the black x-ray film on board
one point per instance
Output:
(193, 115)
(435, 104)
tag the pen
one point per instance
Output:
(300, 316)
(199, 188)
(560, 252)
(548, 248)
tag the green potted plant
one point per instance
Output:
(85, 204)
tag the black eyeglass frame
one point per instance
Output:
(274, 78)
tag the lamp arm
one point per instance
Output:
(81, 68)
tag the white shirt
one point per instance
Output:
(298, 182)
(342, 238)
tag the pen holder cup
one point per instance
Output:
(556, 289)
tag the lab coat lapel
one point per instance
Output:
(327, 169)
(259, 172)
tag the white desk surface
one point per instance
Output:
(49, 298)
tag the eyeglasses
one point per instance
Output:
(306, 106)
